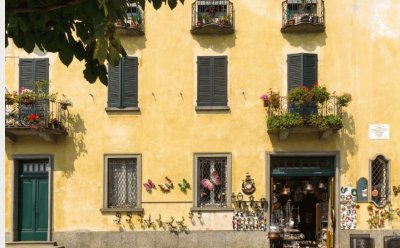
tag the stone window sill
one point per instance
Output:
(213, 108)
(127, 109)
(212, 209)
(114, 210)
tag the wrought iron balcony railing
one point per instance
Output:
(134, 22)
(212, 17)
(45, 118)
(324, 118)
(303, 16)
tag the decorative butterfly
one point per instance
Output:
(214, 180)
(149, 185)
(167, 186)
(396, 190)
(184, 185)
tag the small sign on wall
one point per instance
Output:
(379, 131)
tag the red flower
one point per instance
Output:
(315, 84)
(32, 117)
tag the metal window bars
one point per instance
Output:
(380, 180)
(134, 18)
(122, 182)
(303, 11)
(213, 171)
(214, 12)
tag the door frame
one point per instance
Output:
(15, 192)
(335, 154)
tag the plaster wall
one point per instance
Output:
(358, 53)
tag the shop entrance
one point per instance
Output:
(302, 201)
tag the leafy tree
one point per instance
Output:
(83, 29)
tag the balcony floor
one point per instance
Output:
(213, 28)
(303, 27)
(48, 134)
(284, 133)
(132, 31)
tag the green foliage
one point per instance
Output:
(271, 99)
(285, 121)
(319, 94)
(299, 96)
(344, 100)
(326, 122)
(81, 29)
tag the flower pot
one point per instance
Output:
(27, 101)
(305, 18)
(199, 24)
(291, 22)
(314, 19)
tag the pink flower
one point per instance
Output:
(264, 97)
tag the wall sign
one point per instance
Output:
(379, 131)
(362, 190)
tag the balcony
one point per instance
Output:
(42, 118)
(303, 16)
(212, 17)
(133, 25)
(323, 119)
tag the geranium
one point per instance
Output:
(26, 96)
(271, 99)
(35, 121)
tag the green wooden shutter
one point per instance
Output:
(310, 69)
(114, 86)
(42, 73)
(294, 70)
(204, 81)
(219, 93)
(26, 73)
(130, 82)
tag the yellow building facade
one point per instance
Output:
(170, 133)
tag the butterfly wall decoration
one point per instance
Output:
(214, 180)
(167, 186)
(149, 185)
(396, 190)
(184, 185)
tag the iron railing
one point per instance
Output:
(303, 11)
(212, 12)
(329, 107)
(39, 114)
(134, 18)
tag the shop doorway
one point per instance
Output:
(302, 200)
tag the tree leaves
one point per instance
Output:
(84, 30)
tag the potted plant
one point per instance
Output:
(134, 23)
(271, 99)
(35, 121)
(11, 98)
(344, 100)
(55, 123)
(314, 19)
(200, 20)
(65, 103)
(26, 96)
(299, 96)
(223, 20)
(319, 94)
(291, 21)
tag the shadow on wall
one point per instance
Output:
(217, 43)
(308, 42)
(74, 145)
(346, 142)
(133, 44)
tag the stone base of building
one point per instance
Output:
(145, 239)
(377, 236)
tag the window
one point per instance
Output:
(122, 182)
(212, 8)
(123, 84)
(212, 181)
(34, 75)
(379, 181)
(302, 70)
(212, 81)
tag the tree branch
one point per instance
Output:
(44, 9)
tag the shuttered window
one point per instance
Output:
(302, 70)
(123, 83)
(212, 81)
(33, 70)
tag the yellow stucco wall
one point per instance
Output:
(358, 53)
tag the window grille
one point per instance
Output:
(122, 182)
(212, 172)
(214, 8)
(380, 188)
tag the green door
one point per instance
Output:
(33, 200)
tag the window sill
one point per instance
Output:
(212, 108)
(127, 109)
(114, 210)
(212, 209)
